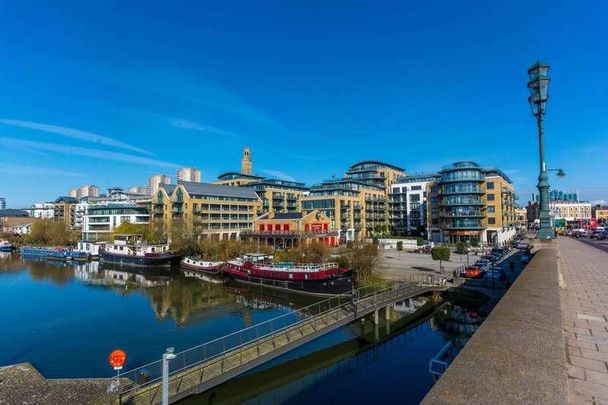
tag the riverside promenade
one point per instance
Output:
(546, 342)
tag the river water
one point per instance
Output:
(66, 319)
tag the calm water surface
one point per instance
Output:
(66, 319)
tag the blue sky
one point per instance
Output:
(109, 92)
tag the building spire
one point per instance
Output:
(246, 163)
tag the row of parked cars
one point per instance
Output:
(599, 233)
(484, 267)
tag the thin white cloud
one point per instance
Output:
(93, 153)
(25, 170)
(279, 174)
(197, 126)
(74, 133)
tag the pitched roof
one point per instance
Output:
(10, 212)
(196, 189)
(168, 188)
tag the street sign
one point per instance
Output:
(117, 359)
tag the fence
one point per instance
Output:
(193, 366)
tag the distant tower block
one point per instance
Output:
(246, 163)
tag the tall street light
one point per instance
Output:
(539, 94)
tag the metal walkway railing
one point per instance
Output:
(207, 365)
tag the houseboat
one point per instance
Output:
(91, 248)
(5, 246)
(202, 265)
(133, 251)
(323, 279)
(61, 254)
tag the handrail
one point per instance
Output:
(375, 295)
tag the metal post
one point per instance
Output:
(546, 230)
(168, 355)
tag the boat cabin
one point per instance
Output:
(134, 245)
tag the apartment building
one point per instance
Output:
(155, 181)
(470, 203)
(354, 208)
(189, 174)
(208, 210)
(408, 204)
(375, 173)
(104, 213)
(570, 210)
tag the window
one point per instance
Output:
(490, 185)
(491, 208)
(491, 220)
(414, 197)
(416, 187)
(490, 197)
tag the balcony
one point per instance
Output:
(459, 202)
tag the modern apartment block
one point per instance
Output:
(189, 174)
(375, 173)
(279, 196)
(2, 203)
(408, 204)
(357, 205)
(104, 213)
(471, 203)
(208, 210)
(155, 181)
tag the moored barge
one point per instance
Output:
(323, 279)
(130, 250)
(201, 265)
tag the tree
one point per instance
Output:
(361, 258)
(461, 248)
(441, 253)
(183, 241)
(47, 232)
(474, 242)
(400, 245)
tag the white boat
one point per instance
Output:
(196, 264)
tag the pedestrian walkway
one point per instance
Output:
(584, 301)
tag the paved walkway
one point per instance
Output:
(584, 301)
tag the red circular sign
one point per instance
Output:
(117, 358)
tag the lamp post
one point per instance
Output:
(539, 94)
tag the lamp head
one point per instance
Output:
(538, 85)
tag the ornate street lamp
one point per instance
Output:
(539, 94)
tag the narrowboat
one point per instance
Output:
(202, 265)
(131, 250)
(5, 246)
(323, 279)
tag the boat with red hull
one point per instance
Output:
(323, 279)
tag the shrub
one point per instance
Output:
(400, 245)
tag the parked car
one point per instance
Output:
(597, 233)
(483, 262)
(473, 272)
(525, 258)
(492, 275)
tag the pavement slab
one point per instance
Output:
(584, 298)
